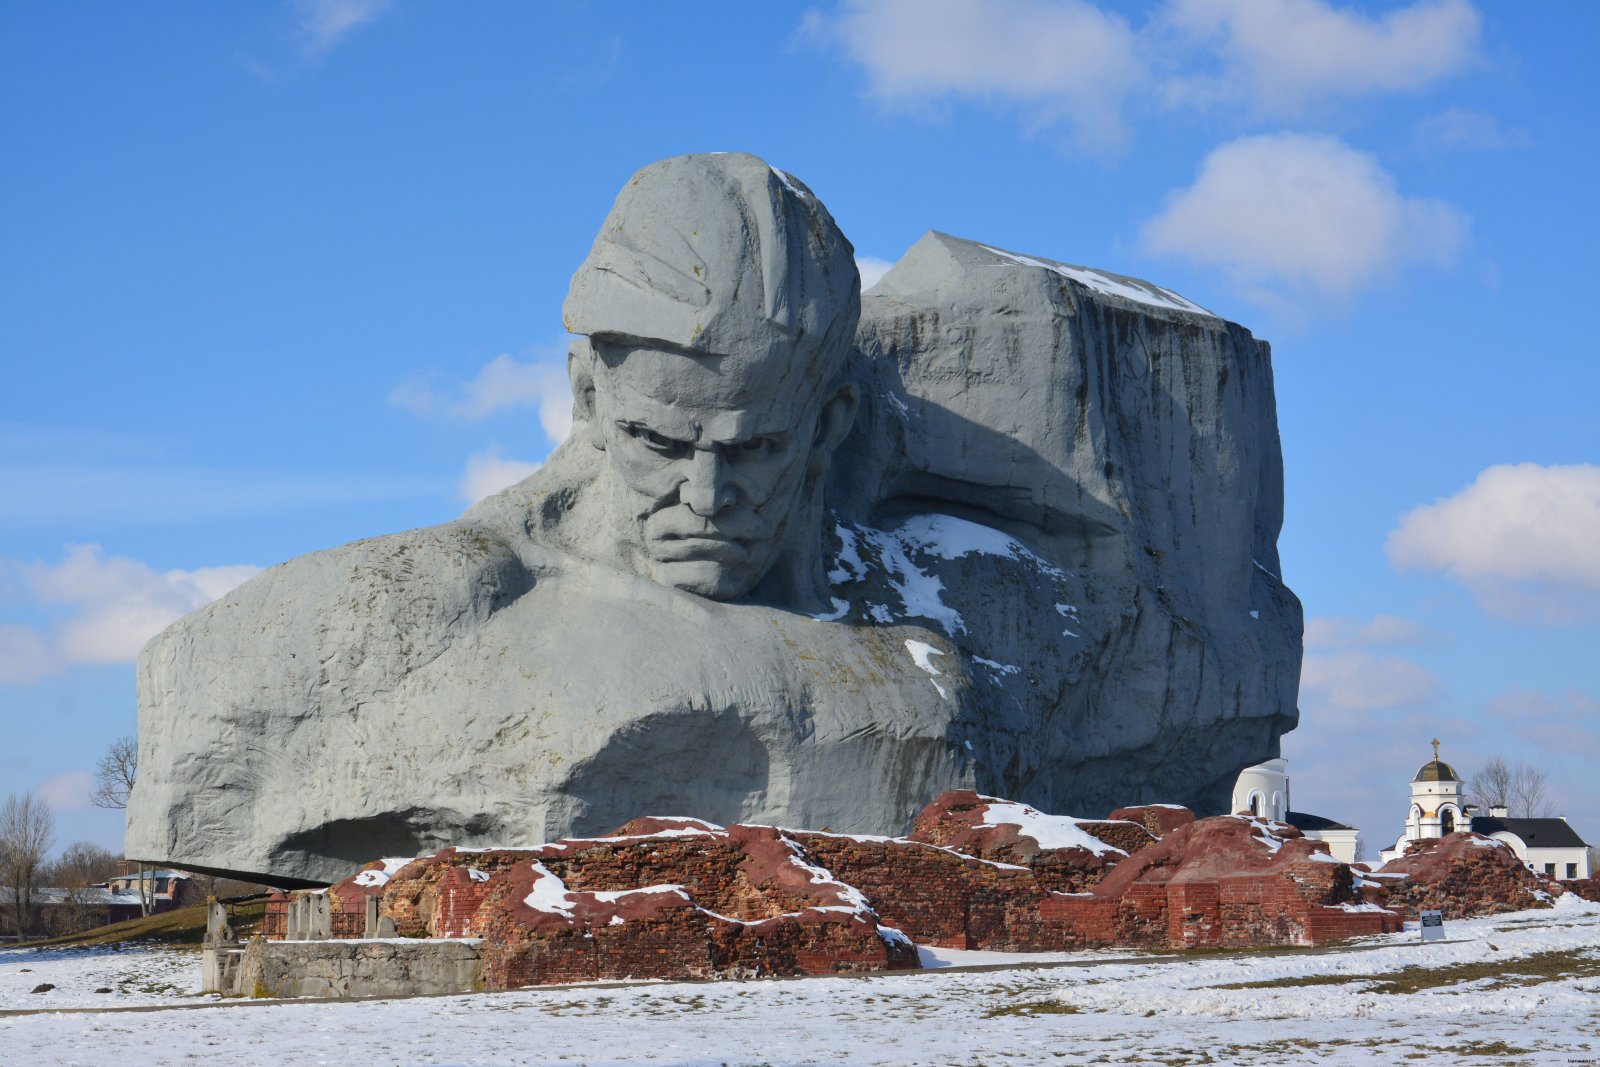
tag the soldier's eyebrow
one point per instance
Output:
(774, 437)
(635, 426)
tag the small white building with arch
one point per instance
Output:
(1263, 791)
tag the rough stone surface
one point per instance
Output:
(1017, 537)
(1462, 875)
(356, 969)
(1129, 440)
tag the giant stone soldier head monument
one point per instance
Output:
(808, 557)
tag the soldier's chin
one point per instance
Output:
(707, 578)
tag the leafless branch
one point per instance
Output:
(115, 774)
(1523, 790)
(27, 828)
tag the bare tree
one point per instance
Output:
(114, 778)
(84, 863)
(76, 874)
(115, 774)
(1530, 793)
(26, 829)
(1490, 786)
(1523, 790)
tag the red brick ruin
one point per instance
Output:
(681, 898)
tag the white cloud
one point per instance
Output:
(1458, 128)
(24, 655)
(113, 605)
(1355, 681)
(872, 270)
(502, 384)
(1301, 214)
(1074, 62)
(1524, 538)
(1567, 723)
(1382, 630)
(122, 603)
(324, 23)
(1279, 57)
(488, 472)
(1560, 735)
(1066, 61)
(68, 791)
(1365, 721)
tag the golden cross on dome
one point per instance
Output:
(1436, 748)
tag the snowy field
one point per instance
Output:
(1521, 988)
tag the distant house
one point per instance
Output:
(1263, 791)
(64, 911)
(168, 889)
(59, 911)
(1438, 807)
(1548, 845)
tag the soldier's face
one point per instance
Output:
(714, 452)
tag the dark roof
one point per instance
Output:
(1305, 821)
(1535, 833)
(1436, 770)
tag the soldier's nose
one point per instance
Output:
(706, 491)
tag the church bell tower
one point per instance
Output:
(1437, 805)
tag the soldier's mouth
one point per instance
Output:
(674, 548)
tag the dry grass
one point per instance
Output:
(1037, 1007)
(178, 927)
(1530, 970)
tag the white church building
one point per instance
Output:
(1439, 807)
(1263, 791)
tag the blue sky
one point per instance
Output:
(276, 276)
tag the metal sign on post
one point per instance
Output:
(1432, 925)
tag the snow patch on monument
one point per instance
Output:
(1051, 831)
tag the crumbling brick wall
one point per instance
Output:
(742, 903)
(969, 823)
(1462, 875)
(939, 897)
(1587, 888)
(681, 899)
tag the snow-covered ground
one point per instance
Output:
(1522, 988)
(99, 977)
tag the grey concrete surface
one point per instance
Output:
(1015, 529)
(348, 969)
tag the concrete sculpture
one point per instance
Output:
(1014, 531)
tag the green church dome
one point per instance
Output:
(1437, 770)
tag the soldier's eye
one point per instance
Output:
(759, 446)
(657, 442)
